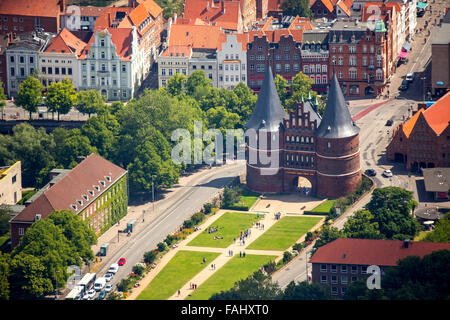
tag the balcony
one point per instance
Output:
(103, 73)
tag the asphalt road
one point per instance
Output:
(174, 211)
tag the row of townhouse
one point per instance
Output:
(113, 52)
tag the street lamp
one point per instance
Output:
(423, 87)
(153, 193)
(56, 284)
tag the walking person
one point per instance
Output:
(179, 292)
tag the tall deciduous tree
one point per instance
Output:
(175, 85)
(296, 8)
(4, 275)
(281, 85)
(89, 102)
(2, 98)
(441, 231)
(196, 82)
(60, 97)
(29, 95)
(300, 89)
(361, 226)
(306, 291)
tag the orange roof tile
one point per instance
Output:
(344, 8)
(198, 36)
(152, 7)
(438, 115)
(41, 8)
(104, 21)
(66, 42)
(409, 125)
(177, 51)
(120, 37)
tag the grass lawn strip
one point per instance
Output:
(230, 224)
(284, 233)
(224, 278)
(324, 207)
(182, 267)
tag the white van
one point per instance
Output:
(113, 268)
(99, 284)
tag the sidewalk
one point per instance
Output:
(116, 240)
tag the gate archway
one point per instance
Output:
(303, 185)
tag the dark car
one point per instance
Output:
(420, 13)
(371, 172)
(102, 295)
(389, 122)
(404, 85)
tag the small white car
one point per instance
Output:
(410, 77)
(108, 276)
(387, 173)
(89, 295)
(108, 287)
(113, 268)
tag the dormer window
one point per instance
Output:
(103, 183)
(85, 197)
(74, 207)
(80, 202)
(91, 192)
(97, 188)
(108, 178)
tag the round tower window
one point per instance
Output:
(329, 145)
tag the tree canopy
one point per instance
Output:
(29, 95)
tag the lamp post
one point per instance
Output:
(423, 88)
(153, 193)
(56, 284)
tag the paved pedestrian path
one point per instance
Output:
(255, 232)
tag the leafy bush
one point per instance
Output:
(161, 246)
(298, 246)
(197, 218)
(208, 208)
(287, 256)
(124, 285)
(150, 256)
(169, 239)
(138, 269)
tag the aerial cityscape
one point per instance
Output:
(224, 150)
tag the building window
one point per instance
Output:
(334, 280)
(323, 279)
(21, 231)
(343, 289)
(323, 268)
(44, 70)
(333, 266)
(334, 291)
(344, 268)
(363, 269)
(344, 279)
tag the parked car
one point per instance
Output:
(410, 77)
(108, 287)
(420, 13)
(108, 277)
(102, 295)
(122, 261)
(404, 85)
(387, 173)
(371, 172)
(389, 122)
(113, 268)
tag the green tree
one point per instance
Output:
(2, 98)
(29, 95)
(306, 291)
(89, 102)
(391, 208)
(5, 216)
(327, 234)
(297, 8)
(71, 144)
(175, 85)
(60, 97)
(79, 235)
(281, 85)
(196, 82)
(300, 89)
(102, 131)
(150, 256)
(256, 287)
(441, 231)
(361, 226)
(4, 275)
(230, 197)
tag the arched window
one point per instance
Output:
(303, 139)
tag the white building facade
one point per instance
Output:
(231, 60)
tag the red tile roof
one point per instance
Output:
(226, 14)
(274, 5)
(72, 187)
(152, 7)
(199, 36)
(182, 51)
(38, 8)
(86, 11)
(66, 42)
(437, 116)
(373, 252)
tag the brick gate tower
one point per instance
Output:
(300, 145)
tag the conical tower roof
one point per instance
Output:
(268, 112)
(336, 121)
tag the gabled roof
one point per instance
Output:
(437, 116)
(40, 8)
(341, 4)
(373, 252)
(65, 192)
(226, 14)
(268, 113)
(242, 38)
(120, 37)
(152, 7)
(86, 11)
(66, 42)
(336, 121)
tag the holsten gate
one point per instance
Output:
(325, 151)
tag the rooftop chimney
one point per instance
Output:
(406, 243)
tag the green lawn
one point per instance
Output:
(230, 225)
(284, 233)
(248, 198)
(183, 267)
(324, 206)
(224, 278)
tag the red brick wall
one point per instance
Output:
(15, 237)
(49, 24)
